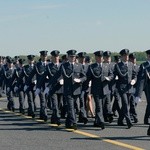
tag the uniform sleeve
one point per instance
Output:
(140, 81)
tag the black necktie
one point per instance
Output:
(72, 66)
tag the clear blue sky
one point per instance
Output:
(28, 26)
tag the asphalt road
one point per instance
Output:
(20, 132)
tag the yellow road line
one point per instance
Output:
(81, 133)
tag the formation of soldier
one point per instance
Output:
(67, 87)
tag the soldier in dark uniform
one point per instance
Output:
(126, 74)
(100, 75)
(24, 76)
(7, 73)
(83, 96)
(56, 97)
(88, 96)
(143, 84)
(1, 79)
(38, 70)
(133, 113)
(107, 112)
(15, 78)
(73, 76)
(116, 106)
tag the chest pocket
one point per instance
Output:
(97, 71)
(8, 73)
(124, 69)
(40, 69)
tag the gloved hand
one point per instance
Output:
(116, 78)
(106, 78)
(8, 89)
(132, 82)
(46, 91)
(25, 88)
(90, 83)
(16, 89)
(61, 81)
(37, 91)
(77, 80)
(35, 81)
(137, 99)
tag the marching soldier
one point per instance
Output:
(1, 79)
(7, 73)
(143, 84)
(38, 70)
(15, 77)
(88, 95)
(83, 96)
(73, 76)
(24, 76)
(126, 75)
(116, 106)
(108, 116)
(56, 97)
(133, 113)
(100, 75)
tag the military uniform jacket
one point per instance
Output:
(97, 75)
(125, 74)
(51, 70)
(69, 74)
(25, 73)
(143, 79)
(112, 84)
(7, 74)
(1, 74)
(84, 85)
(38, 71)
(15, 78)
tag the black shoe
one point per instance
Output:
(83, 120)
(101, 125)
(135, 120)
(33, 116)
(148, 131)
(13, 109)
(129, 125)
(146, 122)
(45, 118)
(110, 119)
(56, 122)
(121, 124)
(74, 126)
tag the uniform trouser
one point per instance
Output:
(98, 109)
(71, 116)
(64, 107)
(107, 105)
(43, 105)
(31, 102)
(10, 99)
(21, 100)
(82, 113)
(125, 97)
(132, 107)
(1, 87)
(116, 104)
(55, 114)
(147, 112)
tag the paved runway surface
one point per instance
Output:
(20, 132)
